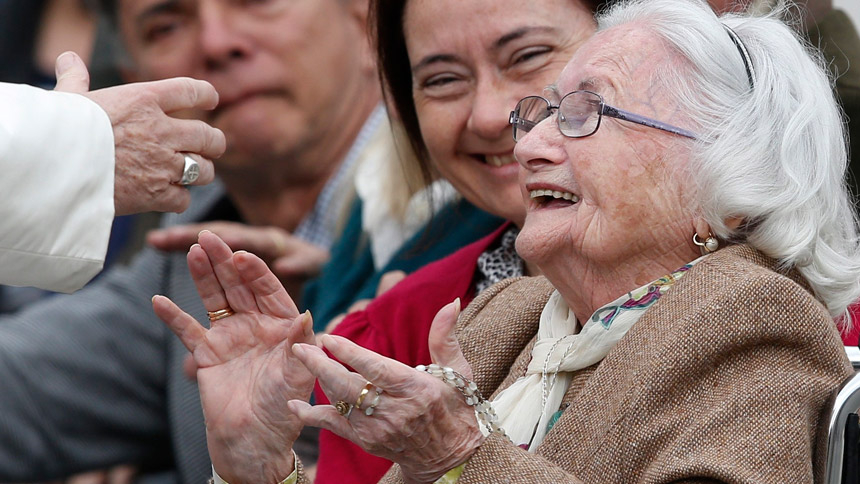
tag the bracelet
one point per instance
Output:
(291, 479)
(483, 409)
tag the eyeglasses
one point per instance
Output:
(579, 115)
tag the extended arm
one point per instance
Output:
(71, 159)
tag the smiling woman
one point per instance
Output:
(674, 338)
(453, 81)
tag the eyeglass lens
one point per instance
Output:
(578, 114)
(529, 112)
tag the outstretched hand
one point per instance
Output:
(417, 420)
(149, 144)
(246, 367)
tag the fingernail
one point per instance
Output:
(297, 349)
(204, 231)
(65, 62)
(327, 341)
(294, 406)
(308, 322)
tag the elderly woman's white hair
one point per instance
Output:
(772, 148)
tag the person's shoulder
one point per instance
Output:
(517, 298)
(735, 309)
(740, 290)
(741, 270)
(409, 306)
(446, 279)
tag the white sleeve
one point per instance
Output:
(56, 188)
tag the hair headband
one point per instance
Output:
(744, 54)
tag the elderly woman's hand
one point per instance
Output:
(246, 369)
(417, 420)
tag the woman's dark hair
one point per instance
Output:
(395, 73)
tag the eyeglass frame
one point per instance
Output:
(603, 110)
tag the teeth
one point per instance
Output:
(500, 160)
(554, 194)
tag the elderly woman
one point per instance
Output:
(635, 359)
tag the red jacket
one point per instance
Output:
(396, 325)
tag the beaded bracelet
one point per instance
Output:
(483, 409)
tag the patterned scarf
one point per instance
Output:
(500, 263)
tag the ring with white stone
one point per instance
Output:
(191, 171)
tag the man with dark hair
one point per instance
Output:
(94, 379)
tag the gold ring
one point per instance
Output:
(364, 392)
(373, 403)
(220, 314)
(343, 408)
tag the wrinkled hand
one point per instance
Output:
(288, 256)
(246, 367)
(420, 422)
(149, 144)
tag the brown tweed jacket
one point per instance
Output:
(724, 379)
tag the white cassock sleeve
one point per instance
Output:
(56, 188)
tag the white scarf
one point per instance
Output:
(527, 406)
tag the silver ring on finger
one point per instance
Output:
(191, 172)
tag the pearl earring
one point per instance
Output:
(709, 245)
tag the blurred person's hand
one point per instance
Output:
(124, 474)
(150, 146)
(289, 257)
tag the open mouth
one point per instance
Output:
(553, 198)
(496, 160)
